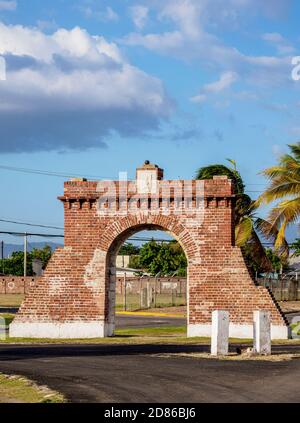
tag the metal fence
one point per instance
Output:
(144, 293)
(283, 289)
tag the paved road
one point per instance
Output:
(123, 321)
(106, 373)
(103, 373)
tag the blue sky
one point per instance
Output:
(95, 87)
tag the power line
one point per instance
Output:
(31, 234)
(15, 222)
(74, 174)
(140, 239)
(51, 173)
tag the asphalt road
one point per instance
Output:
(128, 321)
(152, 373)
(98, 374)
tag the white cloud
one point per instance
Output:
(71, 90)
(225, 81)
(190, 37)
(185, 14)
(280, 43)
(8, 5)
(200, 98)
(92, 9)
(139, 14)
(110, 14)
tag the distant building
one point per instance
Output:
(122, 267)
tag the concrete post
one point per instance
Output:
(144, 298)
(262, 332)
(125, 292)
(149, 295)
(220, 332)
(174, 292)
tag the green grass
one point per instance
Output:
(132, 301)
(153, 332)
(295, 328)
(141, 336)
(16, 389)
(136, 339)
(162, 300)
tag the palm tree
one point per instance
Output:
(284, 185)
(246, 221)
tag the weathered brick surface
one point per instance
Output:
(79, 282)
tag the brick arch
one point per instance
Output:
(72, 298)
(116, 233)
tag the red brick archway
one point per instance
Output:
(75, 297)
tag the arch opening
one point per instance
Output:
(159, 284)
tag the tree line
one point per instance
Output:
(14, 265)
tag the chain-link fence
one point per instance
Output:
(144, 293)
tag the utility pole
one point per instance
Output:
(2, 250)
(25, 254)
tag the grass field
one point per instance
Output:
(132, 301)
(140, 336)
(17, 389)
(11, 300)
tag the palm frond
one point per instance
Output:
(295, 148)
(287, 211)
(243, 231)
(279, 190)
(270, 232)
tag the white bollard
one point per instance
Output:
(220, 332)
(262, 332)
(2, 328)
